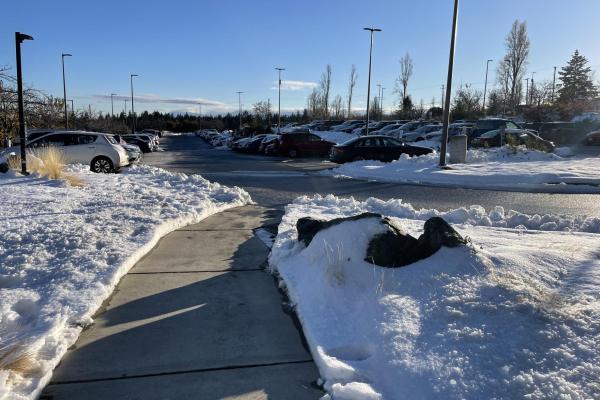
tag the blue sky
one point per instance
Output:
(185, 51)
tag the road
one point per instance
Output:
(274, 182)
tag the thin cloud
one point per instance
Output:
(295, 85)
(155, 99)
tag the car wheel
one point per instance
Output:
(293, 153)
(101, 165)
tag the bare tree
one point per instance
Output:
(325, 88)
(337, 106)
(515, 61)
(351, 85)
(262, 110)
(314, 104)
(406, 71)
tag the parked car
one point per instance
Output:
(380, 148)
(563, 133)
(153, 132)
(387, 129)
(350, 127)
(299, 144)
(144, 145)
(269, 139)
(134, 153)
(499, 137)
(326, 125)
(419, 134)
(100, 151)
(253, 145)
(344, 125)
(240, 144)
(454, 129)
(592, 139)
(373, 126)
(403, 129)
(489, 124)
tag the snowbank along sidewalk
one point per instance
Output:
(502, 168)
(516, 314)
(63, 249)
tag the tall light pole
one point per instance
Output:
(379, 96)
(240, 109)
(526, 91)
(279, 107)
(19, 38)
(442, 99)
(487, 66)
(553, 84)
(112, 107)
(371, 30)
(132, 108)
(381, 102)
(446, 116)
(531, 89)
(65, 88)
(72, 106)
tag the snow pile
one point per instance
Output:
(587, 117)
(63, 249)
(334, 136)
(501, 168)
(515, 315)
(474, 215)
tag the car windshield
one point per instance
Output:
(490, 134)
(390, 127)
(489, 123)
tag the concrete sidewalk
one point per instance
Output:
(197, 318)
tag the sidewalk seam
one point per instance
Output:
(190, 371)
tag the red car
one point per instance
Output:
(298, 144)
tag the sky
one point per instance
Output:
(191, 52)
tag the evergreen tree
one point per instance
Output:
(576, 78)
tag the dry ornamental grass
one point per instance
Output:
(46, 161)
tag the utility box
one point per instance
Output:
(458, 149)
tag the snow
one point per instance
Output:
(335, 137)
(516, 314)
(499, 168)
(587, 117)
(63, 249)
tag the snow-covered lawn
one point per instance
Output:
(490, 169)
(516, 314)
(335, 137)
(63, 249)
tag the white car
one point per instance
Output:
(100, 151)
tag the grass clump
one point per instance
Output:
(48, 162)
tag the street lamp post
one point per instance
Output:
(279, 106)
(65, 89)
(19, 38)
(526, 91)
(531, 90)
(379, 97)
(381, 102)
(132, 107)
(72, 106)
(487, 66)
(371, 30)
(240, 110)
(446, 116)
(553, 84)
(112, 107)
